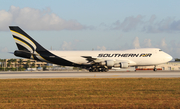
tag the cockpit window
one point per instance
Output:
(160, 50)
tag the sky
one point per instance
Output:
(93, 24)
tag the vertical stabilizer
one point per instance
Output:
(24, 41)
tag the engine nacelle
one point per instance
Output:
(102, 63)
(121, 65)
(110, 63)
(124, 65)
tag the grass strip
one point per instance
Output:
(90, 93)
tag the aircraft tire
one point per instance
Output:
(97, 70)
(105, 70)
(155, 69)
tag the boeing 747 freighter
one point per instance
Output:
(94, 61)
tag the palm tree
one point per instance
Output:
(15, 60)
(12, 61)
(33, 65)
(20, 62)
(9, 62)
(1, 62)
(27, 63)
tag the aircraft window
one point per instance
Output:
(160, 50)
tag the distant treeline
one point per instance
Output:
(12, 69)
(177, 59)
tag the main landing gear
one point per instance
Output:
(98, 69)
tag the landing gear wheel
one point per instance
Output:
(90, 70)
(98, 69)
(155, 69)
(93, 70)
(105, 69)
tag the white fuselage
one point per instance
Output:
(135, 57)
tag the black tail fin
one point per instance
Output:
(24, 41)
(29, 48)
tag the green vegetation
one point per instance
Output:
(90, 93)
(18, 65)
(176, 59)
(12, 69)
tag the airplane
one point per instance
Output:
(94, 61)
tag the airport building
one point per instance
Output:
(13, 63)
(31, 65)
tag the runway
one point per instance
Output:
(85, 74)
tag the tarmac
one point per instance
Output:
(86, 74)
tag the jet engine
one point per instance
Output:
(121, 65)
(111, 63)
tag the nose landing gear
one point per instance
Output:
(155, 69)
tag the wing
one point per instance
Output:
(89, 58)
(111, 63)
